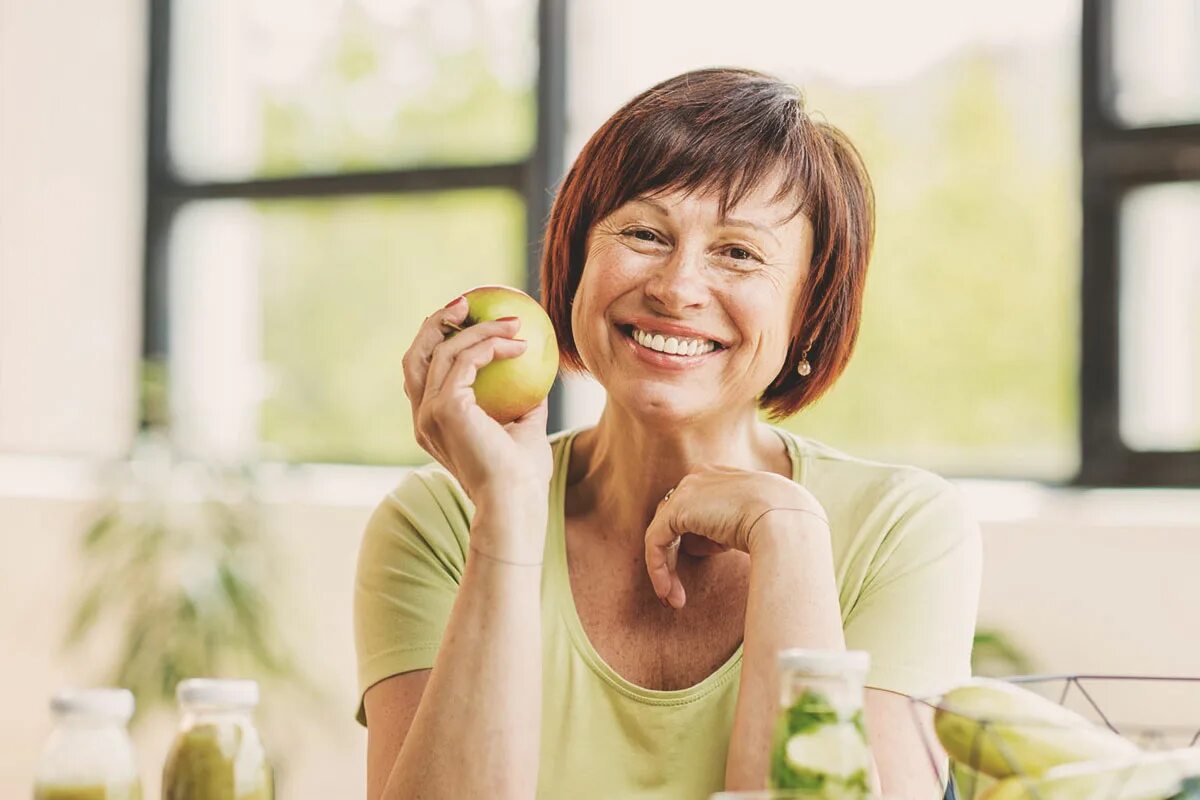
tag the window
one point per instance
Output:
(1141, 243)
(967, 116)
(321, 177)
(967, 357)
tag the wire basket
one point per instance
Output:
(1155, 713)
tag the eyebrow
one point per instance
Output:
(745, 223)
(729, 221)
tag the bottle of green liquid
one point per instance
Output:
(820, 747)
(89, 755)
(217, 754)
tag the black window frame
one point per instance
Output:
(534, 177)
(1117, 159)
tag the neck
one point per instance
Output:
(624, 466)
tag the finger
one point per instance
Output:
(534, 419)
(445, 352)
(431, 333)
(676, 596)
(662, 549)
(468, 362)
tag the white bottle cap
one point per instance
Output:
(215, 692)
(825, 662)
(115, 704)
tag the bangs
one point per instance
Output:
(726, 150)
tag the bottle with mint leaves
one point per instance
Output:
(819, 747)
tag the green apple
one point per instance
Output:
(511, 387)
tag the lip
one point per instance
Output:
(664, 361)
(653, 325)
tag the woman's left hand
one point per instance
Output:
(714, 509)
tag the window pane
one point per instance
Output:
(289, 318)
(967, 116)
(1156, 61)
(1160, 318)
(967, 358)
(268, 87)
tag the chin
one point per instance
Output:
(663, 405)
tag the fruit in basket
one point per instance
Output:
(509, 388)
(971, 783)
(1148, 776)
(1001, 729)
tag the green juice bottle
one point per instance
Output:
(217, 754)
(820, 747)
(89, 755)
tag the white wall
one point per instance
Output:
(72, 91)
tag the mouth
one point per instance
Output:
(672, 349)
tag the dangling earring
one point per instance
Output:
(804, 369)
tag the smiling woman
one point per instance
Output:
(597, 613)
(723, 139)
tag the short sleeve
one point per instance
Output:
(916, 611)
(410, 565)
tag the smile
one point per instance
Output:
(673, 345)
(671, 352)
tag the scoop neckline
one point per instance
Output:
(560, 579)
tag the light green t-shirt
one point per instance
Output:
(907, 561)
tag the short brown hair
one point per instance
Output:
(723, 131)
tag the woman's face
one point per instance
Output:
(668, 273)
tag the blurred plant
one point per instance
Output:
(176, 567)
(995, 655)
(1190, 790)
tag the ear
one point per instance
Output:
(806, 338)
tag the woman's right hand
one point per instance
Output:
(494, 463)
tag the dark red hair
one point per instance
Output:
(725, 131)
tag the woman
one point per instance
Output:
(596, 614)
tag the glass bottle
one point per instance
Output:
(89, 755)
(820, 743)
(217, 754)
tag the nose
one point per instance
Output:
(677, 283)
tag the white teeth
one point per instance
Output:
(671, 344)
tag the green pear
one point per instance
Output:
(509, 388)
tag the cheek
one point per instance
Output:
(772, 331)
(603, 280)
(608, 274)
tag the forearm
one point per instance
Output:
(476, 732)
(792, 602)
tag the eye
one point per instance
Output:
(741, 254)
(641, 234)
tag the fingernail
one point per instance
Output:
(506, 319)
(453, 302)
